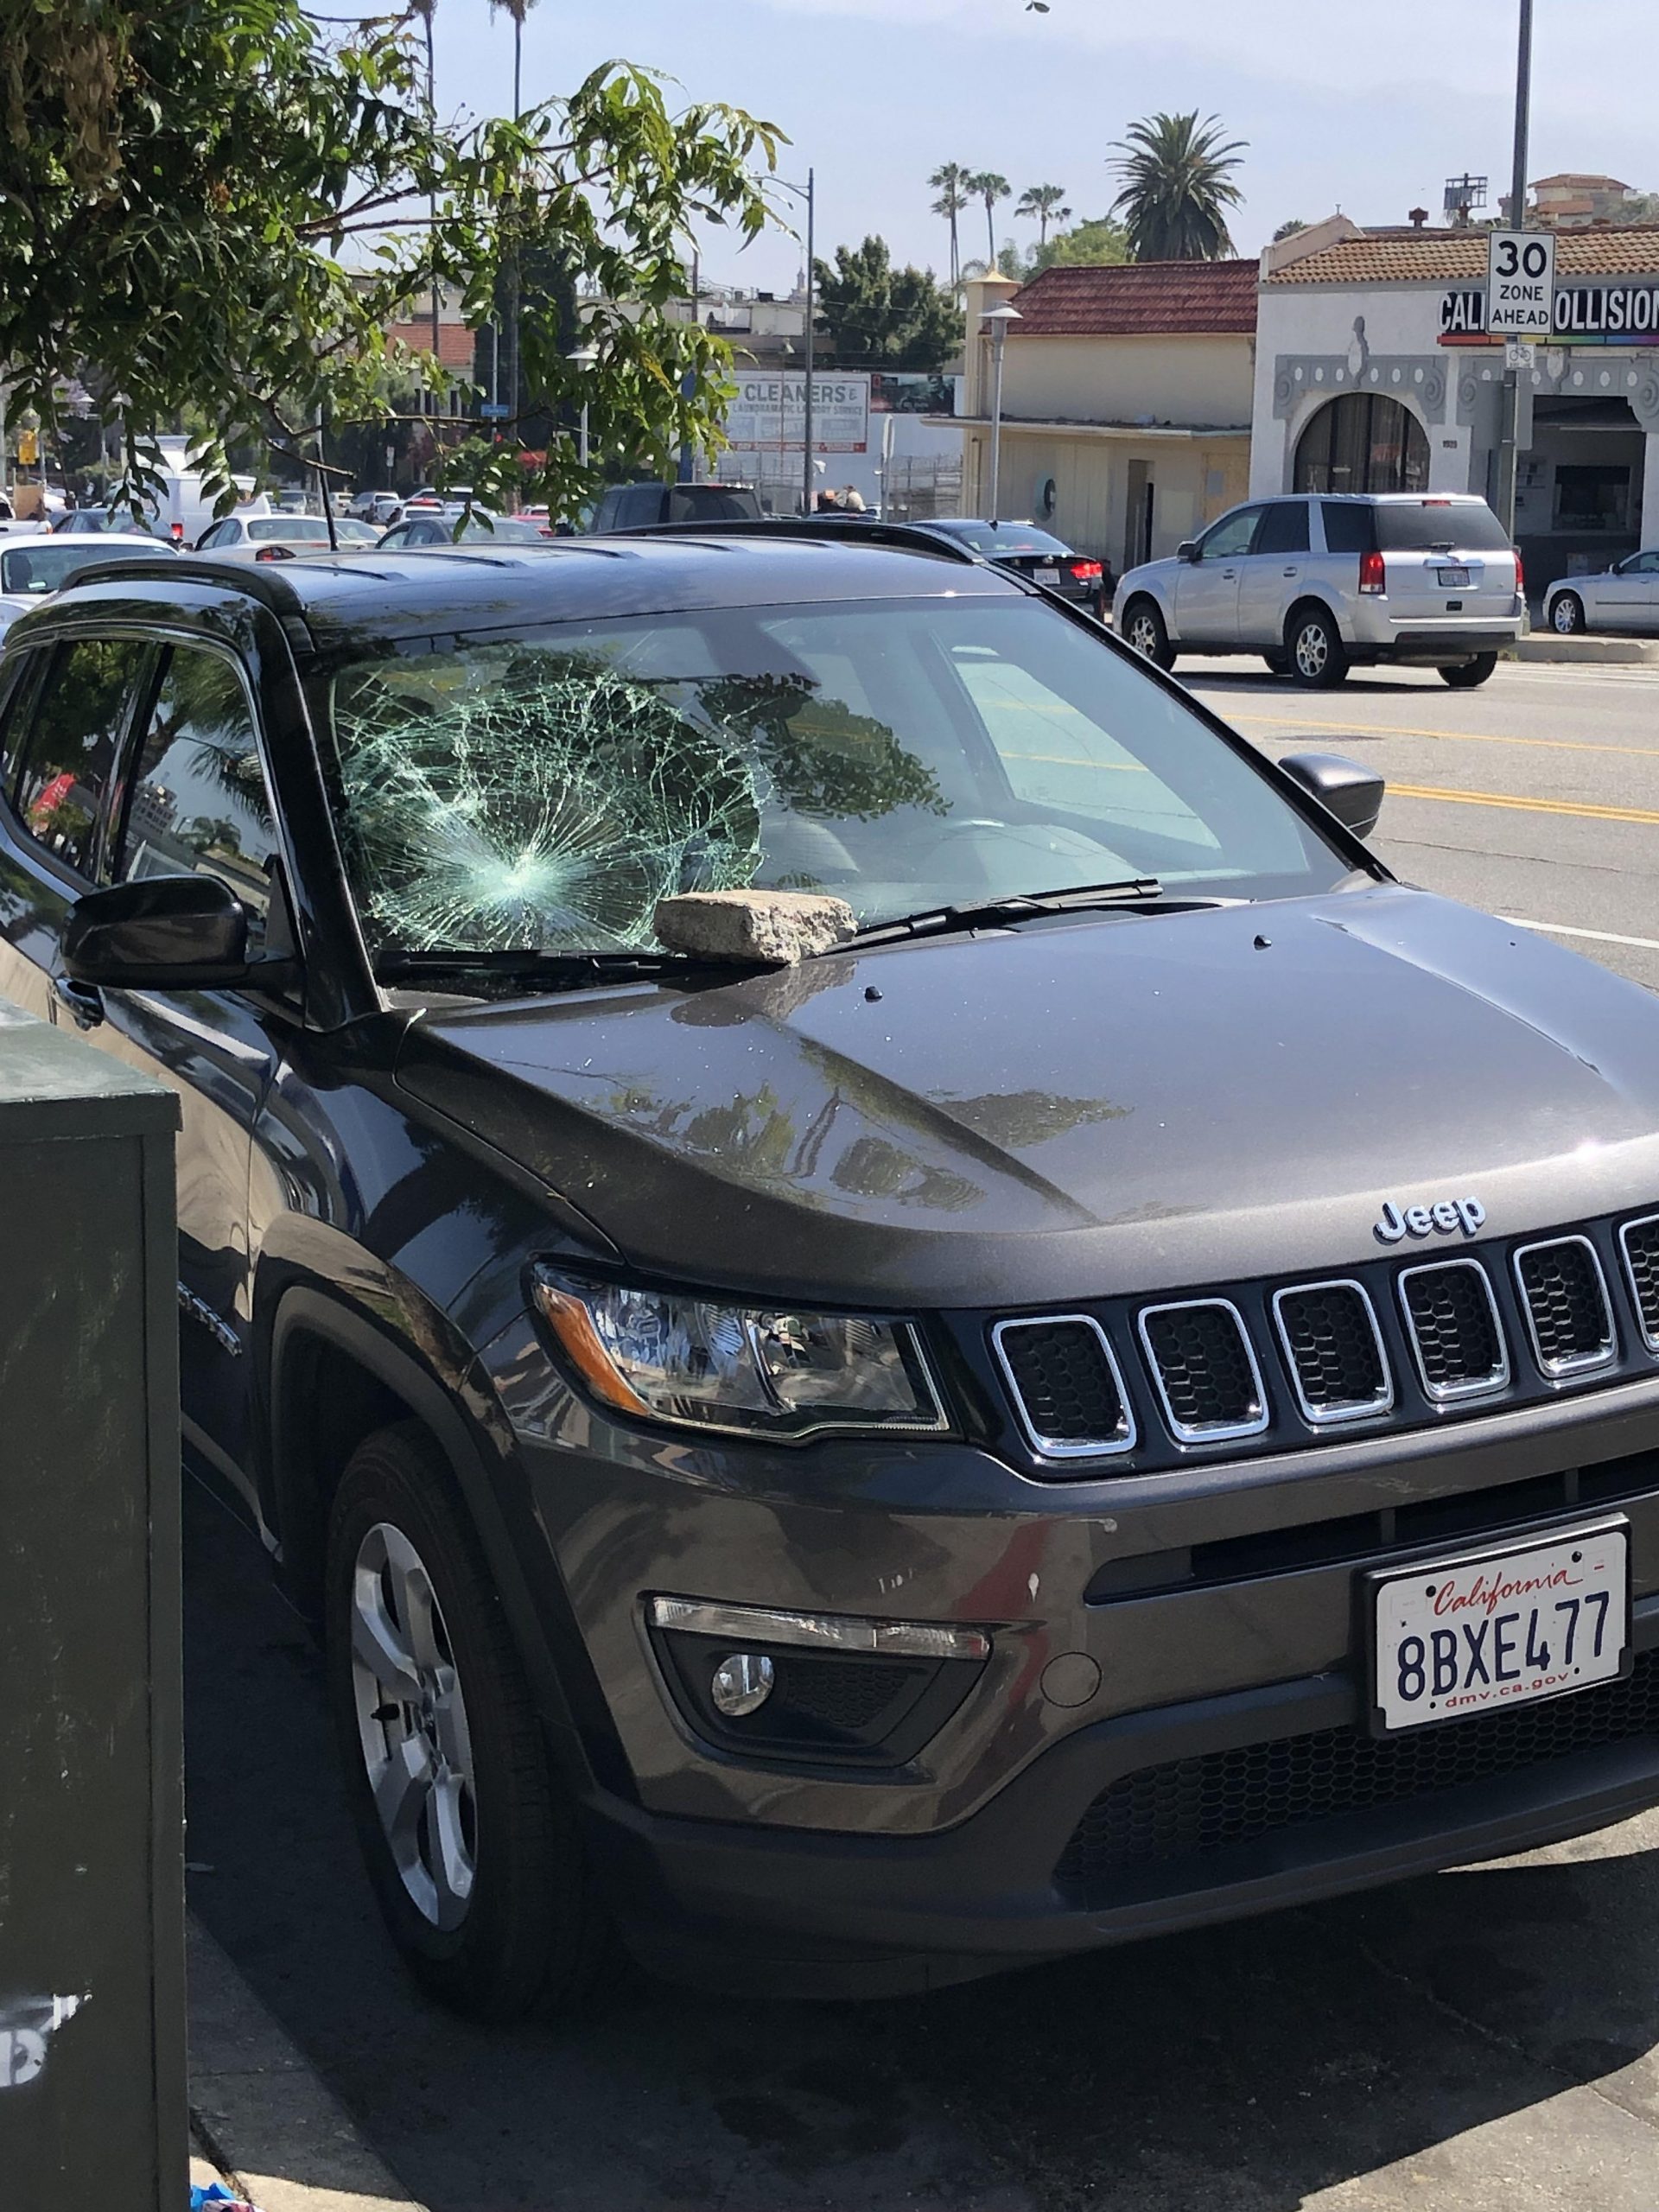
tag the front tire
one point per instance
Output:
(1566, 614)
(1145, 629)
(470, 1842)
(1313, 645)
(1471, 672)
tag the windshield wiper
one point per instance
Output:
(557, 971)
(992, 913)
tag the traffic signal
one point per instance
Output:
(29, 448)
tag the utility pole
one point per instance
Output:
(812, 316)
(1509, 451)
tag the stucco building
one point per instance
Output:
(1374, 372)
(1126, 401)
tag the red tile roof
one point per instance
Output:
(1145, 299)
(454, 341)
(1428, 256)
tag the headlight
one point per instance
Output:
(704, 1364)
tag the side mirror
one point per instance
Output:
(1346, 788)
(1187, 549)
(162, 932)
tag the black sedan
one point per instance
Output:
(1028, 552)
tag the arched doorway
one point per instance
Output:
(1362, 442)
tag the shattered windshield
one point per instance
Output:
(541, 791)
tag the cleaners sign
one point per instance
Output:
(1519, 284)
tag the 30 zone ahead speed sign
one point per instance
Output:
(1521, 283)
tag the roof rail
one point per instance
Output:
(256, 582)
(911, 537)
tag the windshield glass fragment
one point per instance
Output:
(543, 792)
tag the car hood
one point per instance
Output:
(1104, 1102)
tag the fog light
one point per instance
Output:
(741, 1684)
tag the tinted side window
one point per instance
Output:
(1284, 528)
(638, 505)
(17, 688)
(198, 803)
(68, 753)
(1347, 527)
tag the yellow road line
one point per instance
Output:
(1460, 736)
(1526, 805)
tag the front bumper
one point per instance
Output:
(755, 1912)
(777, 1872)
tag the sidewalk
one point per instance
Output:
(1544, 644)
(262, 2122)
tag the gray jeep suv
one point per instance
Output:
(1122, 1391)
(1322, 583)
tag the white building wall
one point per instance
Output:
(1355, 324)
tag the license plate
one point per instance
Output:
(1464, 1634)
(1452, 579)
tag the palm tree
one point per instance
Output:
(950, 181)
(518, 10)
(1176, 187)
(1040, 203)
(986, 185)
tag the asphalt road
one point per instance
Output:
(1536, 796)
(1485, 2040)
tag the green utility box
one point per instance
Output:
(93, 2088)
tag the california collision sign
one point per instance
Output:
(1585, 315)
(768, 415)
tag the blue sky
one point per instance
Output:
(1368, 107)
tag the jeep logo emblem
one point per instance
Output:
(1448, 1214)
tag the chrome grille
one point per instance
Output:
(1639, 1241)
(1334, 1351)
(1452, 1319)
(1205, 1370)
(1565, 1298)
(1067, 1388)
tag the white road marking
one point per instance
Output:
(1563, 929)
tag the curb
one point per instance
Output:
(1604, 651)
(269, 2130)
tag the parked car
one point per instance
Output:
(380, 508)
(1624, 597)
(1322, 583)
(641, 506)
(101, 521)
(247, 535)
(30, 574)
(1122, 1392)
(1025, 550)
(460, 526)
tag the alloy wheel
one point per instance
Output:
(1143, 635)
(1313, 650)
(411, 1721)
(1565, 614)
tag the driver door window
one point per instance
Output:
(1231, 536)
(198, 803)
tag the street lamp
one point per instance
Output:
(807, 192)
(584, 357)
(998, 318)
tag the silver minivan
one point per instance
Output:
(1321, 582)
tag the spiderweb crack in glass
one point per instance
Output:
(553, 815)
